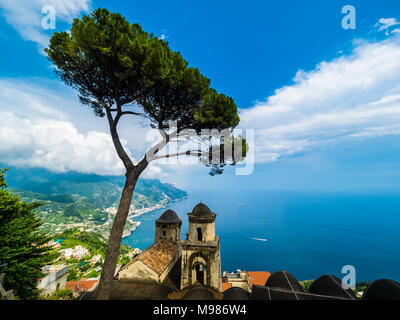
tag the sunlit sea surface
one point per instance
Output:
(307, 234)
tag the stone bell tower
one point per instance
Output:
(168, 227)
(201, 259)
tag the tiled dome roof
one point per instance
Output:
(331, 285)
(236, 293)
(169, 216)
(201, 210)
(198, 293)
(383, 289)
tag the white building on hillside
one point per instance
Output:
(55, 279)
(96, 258)
(78, 252)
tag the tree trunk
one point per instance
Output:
(107, 275)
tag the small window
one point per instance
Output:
(199, 234)
(163, 233)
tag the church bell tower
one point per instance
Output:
(201, 259)
(168, 227)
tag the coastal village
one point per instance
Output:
(77, 269)
(92, 224)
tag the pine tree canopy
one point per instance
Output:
(113, 63)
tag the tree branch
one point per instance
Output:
(132, 112)
(184, 153)
(151, 153)
(126, 160)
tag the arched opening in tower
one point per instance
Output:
(199, 234)
(200, 271)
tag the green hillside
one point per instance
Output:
(87, 201)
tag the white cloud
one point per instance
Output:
(153, 172)
(385, 24)
(351, 97)
(26, 16)
(34, 133)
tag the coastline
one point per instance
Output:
(138, 212)
(128, 232)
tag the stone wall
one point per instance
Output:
(138, 271)
(207, 230)
(170, 232)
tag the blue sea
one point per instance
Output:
(307, 234)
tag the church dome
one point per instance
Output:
(201, 213)
(201, 210)
(169, 216)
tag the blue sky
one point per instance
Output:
(324, 102)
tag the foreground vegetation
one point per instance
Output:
(360, 286)
(22, 245)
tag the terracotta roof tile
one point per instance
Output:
(158, 256)
(225, 286)
(81, 285)
(258, 277)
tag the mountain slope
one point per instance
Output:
(85, 200)
(103, 191)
